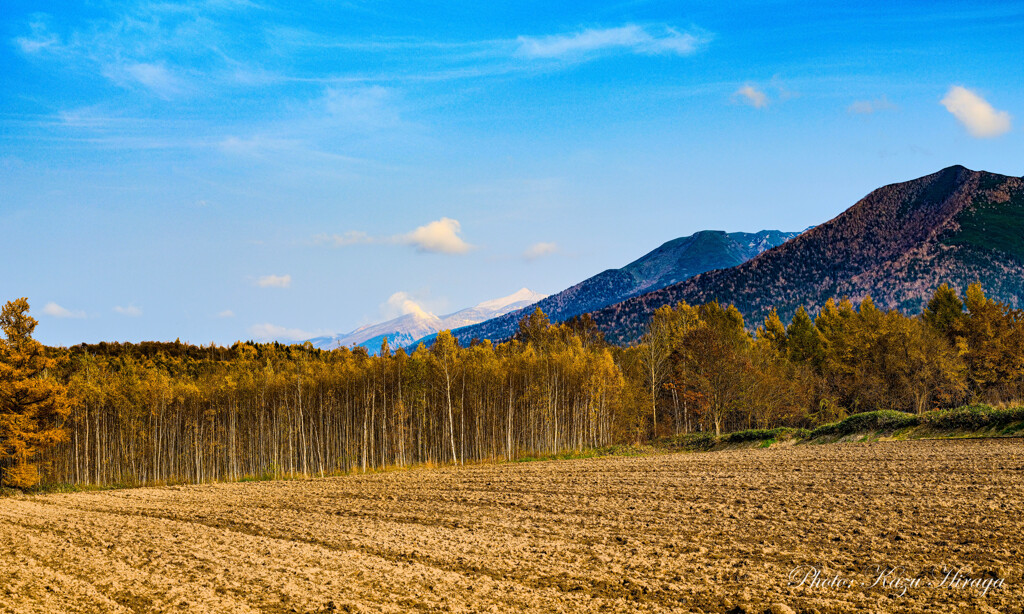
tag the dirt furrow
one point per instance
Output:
(736, 530)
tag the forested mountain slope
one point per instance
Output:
(672, 262)
(898, 244)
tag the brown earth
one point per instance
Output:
(713, 532)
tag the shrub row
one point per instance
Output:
(972, 417)
(694, 441)
(782, 432)
(884, 420)
(969, 417)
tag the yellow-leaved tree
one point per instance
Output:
(33, 405)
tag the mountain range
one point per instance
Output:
(672, 262)
(897, 244)
(407, 329)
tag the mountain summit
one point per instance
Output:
(898, 244)
(670, 263)
(417, 324)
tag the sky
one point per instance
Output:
(224, 170)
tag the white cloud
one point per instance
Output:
(441, 237)
(867, 107)
(56, 311)
(752, 96)
(975, 113)
(538, 250)
(270, 332)
(274, 281)
(227, 313)
(634, 38)
(400, 304)
(130, 311)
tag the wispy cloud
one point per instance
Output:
(629, 38)
(352, 237)
(38, 39)
(175, 49)
(274, 281)
(868, 107)
(980, 118)
(369, 107)
(227, 313)
(131, 311)
(757, 95)
(295, 151)
(167, 48)
(56, 311)
(538, 250)
(158, 78)
(753, 96)
(439, 237)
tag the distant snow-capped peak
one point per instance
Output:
(419, 323)
(523, 295)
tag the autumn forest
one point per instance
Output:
(154, 413)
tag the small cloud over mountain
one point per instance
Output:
(980, 118)
(438, 237)
(400, 304)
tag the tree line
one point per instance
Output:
(848, 359)
(170, 412)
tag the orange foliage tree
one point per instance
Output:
(33, 405)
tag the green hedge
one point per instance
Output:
(967, 418)
(972, 417)
(782, 432)
(695, 441)
(884, 420)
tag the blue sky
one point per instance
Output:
(226, 170)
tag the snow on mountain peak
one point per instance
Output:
(519, 296)
(416, 323)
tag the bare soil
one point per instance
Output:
(707, 532)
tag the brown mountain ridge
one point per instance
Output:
(897, 244)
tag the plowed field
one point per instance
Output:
(715, 532)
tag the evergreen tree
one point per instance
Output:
(773, 332)
(803, 339)
(33, 405)
(945, 312)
